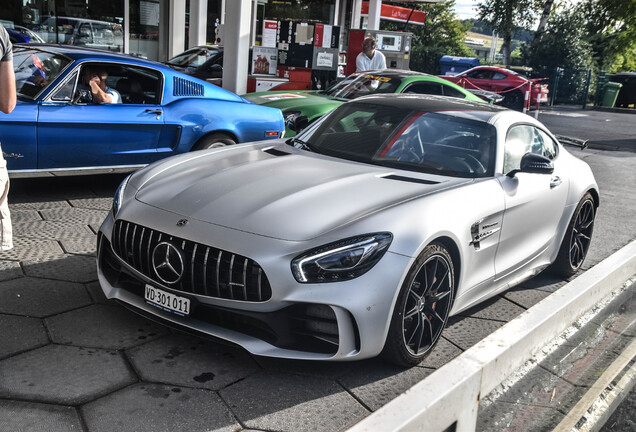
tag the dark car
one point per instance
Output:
(163, 113)
(204, 62)
(627, 94)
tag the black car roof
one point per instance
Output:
(427, 103)
(395, 73)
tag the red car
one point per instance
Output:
(507, 83)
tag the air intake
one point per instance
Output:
(183, 87)
(409, 179)
(276, 152)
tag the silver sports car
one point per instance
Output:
(358, 237)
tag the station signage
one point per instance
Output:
(397, 13)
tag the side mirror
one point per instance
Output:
(297, 122)
(534, 164)
(215, 68)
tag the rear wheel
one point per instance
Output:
(513, 100)
(577, 238)
(213, 141)
(422, 308)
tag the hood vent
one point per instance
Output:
(183, 87)
(410, 179)
(275, 152)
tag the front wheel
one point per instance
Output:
(213, 141)
(577, 238)
(422, 307)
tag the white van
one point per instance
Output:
(83, 32)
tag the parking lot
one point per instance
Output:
(72, 361)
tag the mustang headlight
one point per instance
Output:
(119, 195)
(343, 260)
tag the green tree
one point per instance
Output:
(563, 44)
(442, 34)
(506, 16)
(612, 33)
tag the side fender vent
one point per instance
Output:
(275, 152)
(184, 87)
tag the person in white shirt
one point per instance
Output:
(370, 58)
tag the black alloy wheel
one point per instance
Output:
(422, 308)
(513, 100)
(577, 238)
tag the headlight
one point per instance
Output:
(343, 260)
(119, 195)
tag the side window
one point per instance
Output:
(548, 147)
(65, 92)
(138, 85)
(526, 139)
(452, 92)
(481, 74)
(498, 76)
(424, 88)
(85, 34)
(518, 142)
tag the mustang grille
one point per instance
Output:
(206, 270)
(183, 87)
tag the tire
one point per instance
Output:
(422, 307)
(213, 141)
(576, 241)
(513, 100)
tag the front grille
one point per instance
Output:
(207, 271)
(301, 327)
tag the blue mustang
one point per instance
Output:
(163, 113)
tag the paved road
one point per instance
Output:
(72, 361)
(607, 130)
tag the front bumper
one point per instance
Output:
(334, 321)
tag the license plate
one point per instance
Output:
(167, 301)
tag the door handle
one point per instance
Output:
(555, 181)
(154, 111)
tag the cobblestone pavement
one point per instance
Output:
(72, 361)
(575, 381)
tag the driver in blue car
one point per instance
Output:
(95, 79)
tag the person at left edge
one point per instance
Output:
(7, 103)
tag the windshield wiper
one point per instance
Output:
(298, 143)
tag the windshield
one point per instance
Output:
(362, 85)
(443, 143)
(35, 70)
(194, 57)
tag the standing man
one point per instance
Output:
(7, 103)
(370, 58)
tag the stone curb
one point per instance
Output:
(451, 394)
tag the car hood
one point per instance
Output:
(293, 100)
(279, 191)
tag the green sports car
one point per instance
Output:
(316, 103)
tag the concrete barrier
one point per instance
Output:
(450, 395)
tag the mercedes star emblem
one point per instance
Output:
(168, 262)
(182, 222)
